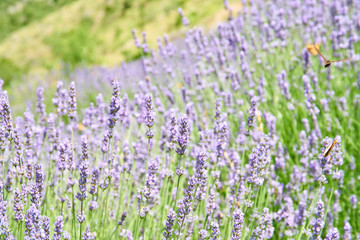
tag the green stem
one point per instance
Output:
(177, 188)
(81, 212)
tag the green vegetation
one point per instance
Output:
(15, 14)
(40, 35)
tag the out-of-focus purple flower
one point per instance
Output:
(66, 236)
(169, 224)
(217, 121)
(80, 217)
(149, 118)
(33, 222)
(46, 227)
(183, 135)
(62, 157)
(18, 206)
(58, 228)
(185, 21)
(301, 212)
(6, 114)
(203, 234)
(201, 176)
(347, 231)
(280, 159)
(211, 205)
(93, 205)
(215, 235)
(283, 84)
(62, 103)
(151, 179)
(252, 111)
(84, 172)
(40, 106)
(353, 201)
(173, 134)
(94, 181)
(145, 45)
(56, 99)
(5, 230)
(137, 42)
(72, 102)
(124, 112)
(238, 225)
(221, 143)
(89, 235)
(122, 219)
(265, 230)
(318, 223)
(333, 235)
(259, 159)
(185, 204)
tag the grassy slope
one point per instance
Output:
(99, 32)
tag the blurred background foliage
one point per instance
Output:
(40, 35)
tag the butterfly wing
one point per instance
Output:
(320, 53)
(342, 60)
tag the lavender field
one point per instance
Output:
(240, 133)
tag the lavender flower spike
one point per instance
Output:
(238, 225)
(72, 102)
(183, 136)
(58, 228)
(169, 224)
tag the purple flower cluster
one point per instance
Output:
(229, 134)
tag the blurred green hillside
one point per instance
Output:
(38, 35)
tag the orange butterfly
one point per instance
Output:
(329, 148)
(328, 62)
(311, 48)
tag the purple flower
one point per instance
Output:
(259, 159)
(72, 102)
(58, 228)
(318, 223)
(114, 106)
(203, 234)
(173, 134)
(84, 172)
(252, 112)
(201, 176)
(94, 181)
(353, 201)
(18, 206)
(62, 157)
(265, 230)
(333, 235)
(40, 106)
(93, 205)
(185, 204)
(149, 118)
(122, 219)
(183, 135)
(33, 222)
(89, 235)
(5, 230)
(81, 217)
(6, 114)
(347, 231)
(169, 224)
(215, 231)
(151, 179)
(238, 225)
(185, 21)
(62, 103)
(137, 42)
(46, 227)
